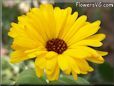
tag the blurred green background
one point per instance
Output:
(103, 74)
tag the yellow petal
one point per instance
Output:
(85, 32)
(40, 61)
(94, 56)
(39, 21)
(19, 34)
(51, 54)
(88, 42)
(54, 75)
(39, 71)
(91, 69)
(18, 56)
(98, 37)
(74, 67)
(25, 42)
(48, 13)
(60, 18)
(78, 24)
(50, 63)
(83, 65)
(77, 53)
(35, 52)
(69, 10)
(15, 30)
(69, 22)
(67, 71)
(102, 53)
(88, 51)
(30, 26)
(63, 62)
(74, 75)
(18, 47)
(96, 59)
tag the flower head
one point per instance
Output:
(58, 40)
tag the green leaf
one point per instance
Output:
(106, 72)
(64, 79)
(57, 82)
(29, 77)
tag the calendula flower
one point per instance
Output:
(58, 40)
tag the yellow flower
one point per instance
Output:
(58, 40)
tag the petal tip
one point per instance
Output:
(98, 22)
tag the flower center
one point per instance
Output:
(57, 45)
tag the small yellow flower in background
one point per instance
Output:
(58, 40)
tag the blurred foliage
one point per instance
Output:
(23, 73)
(11, 72)
(7, 69)
(28, 76)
